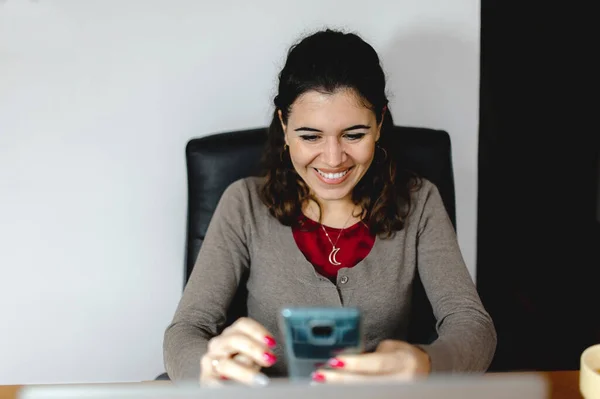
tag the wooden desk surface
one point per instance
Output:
(563, 385)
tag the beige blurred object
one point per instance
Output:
(589, 373)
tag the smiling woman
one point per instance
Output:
(333, 222)
(335, 152)
(332, 113)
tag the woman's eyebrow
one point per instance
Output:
(311, 129)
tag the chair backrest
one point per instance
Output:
(216, 161)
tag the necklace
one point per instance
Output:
(335, 249)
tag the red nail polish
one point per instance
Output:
(270, 358)
(336, 363)
(223, 378)
(318, 377)
(270, 341)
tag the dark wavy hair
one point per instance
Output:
(328, 61)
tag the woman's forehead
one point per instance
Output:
(342, 106)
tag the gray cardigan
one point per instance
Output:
(243, 236)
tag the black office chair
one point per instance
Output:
(216, 161)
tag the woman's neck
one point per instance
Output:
(336, 214)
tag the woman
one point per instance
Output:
(333, 222)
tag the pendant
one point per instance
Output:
(332, 258)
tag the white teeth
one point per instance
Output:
(332, 175)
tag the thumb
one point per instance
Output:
(371, 363)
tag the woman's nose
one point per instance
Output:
(333, 154)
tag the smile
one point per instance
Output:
(333, 175)
(332, 178)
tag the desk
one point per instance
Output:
(563, 385)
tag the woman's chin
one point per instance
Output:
(332, 194)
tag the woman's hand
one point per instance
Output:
(238, 354)
(392, 360)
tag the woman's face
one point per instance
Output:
(331, 139)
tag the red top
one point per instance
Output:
(354, 245)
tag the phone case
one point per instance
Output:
(314, 335)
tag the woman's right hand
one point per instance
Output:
(238, 354)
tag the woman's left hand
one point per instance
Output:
(392, 360)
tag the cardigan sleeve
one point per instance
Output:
(466, 334)
(219, 268)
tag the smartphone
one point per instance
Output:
(314, 335)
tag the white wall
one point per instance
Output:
(97, 101)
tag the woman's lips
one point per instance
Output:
(333, 178)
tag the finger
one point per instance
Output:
(339, 377)
(208, 374)
(246, 361)
(239, 343)
(372, 363)
(253, 329)
(235, 371)
(210, 377)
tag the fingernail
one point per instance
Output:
(318, 377)
(223, 378)
(336, 363)
(261, 380)
(270, 341)
(270, 358)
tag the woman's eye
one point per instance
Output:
(355, 136)
(309, 137)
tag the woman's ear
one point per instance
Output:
(378, 135)
(283, 126)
